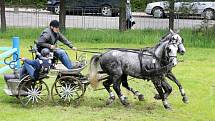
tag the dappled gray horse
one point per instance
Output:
(171, 76)
(151, 64)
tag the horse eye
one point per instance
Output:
(168, 50)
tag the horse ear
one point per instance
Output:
(178, 31)
(171, 31)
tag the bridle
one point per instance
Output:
(168, 57)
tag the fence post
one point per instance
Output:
(16, 45)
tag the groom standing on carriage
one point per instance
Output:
(49, 38)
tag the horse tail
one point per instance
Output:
(94, 71)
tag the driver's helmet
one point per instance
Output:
(45, 52)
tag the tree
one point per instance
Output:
(3, 19)
(62, 15)
(171, 14)
(122, 17)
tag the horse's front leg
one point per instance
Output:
(158, 86)
(116, 87)
(172, 77)
(135, 92)
(166, 87)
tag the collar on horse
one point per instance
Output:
(154, 71)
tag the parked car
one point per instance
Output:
(104, 7)
(205, 8)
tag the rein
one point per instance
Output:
(87, 51)
(138, 51)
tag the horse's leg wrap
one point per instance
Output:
(125, 84)
(124, 100)
(111, 99)
(166, 104)
(185, 98)
(172, 77)
(116, 86)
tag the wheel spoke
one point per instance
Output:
(41, 99)
(29, 99)
(66, 88)
(35, 93)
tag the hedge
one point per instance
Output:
(35, 3)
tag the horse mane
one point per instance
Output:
(163, 39)
(152, 49)
(166, 37)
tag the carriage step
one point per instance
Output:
(8, 92)
(15, 93)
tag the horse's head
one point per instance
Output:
(178, 41)
(174, 38)
(174, 45)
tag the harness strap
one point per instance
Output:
(140, 56)
(162, 70)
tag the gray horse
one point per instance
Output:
(172, 77)
(150, 63)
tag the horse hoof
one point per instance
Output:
(157, 97)
(185, 99)
(125, 103)
(110, 101)
(168, 107)
(141, 97)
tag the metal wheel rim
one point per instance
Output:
(37, 93)
(57, 9)
(106, 11)
(65, 94)
(209, 14)
(158, 13)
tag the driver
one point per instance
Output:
(48, 39)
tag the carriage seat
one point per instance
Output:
(12, 82)
(10, 76)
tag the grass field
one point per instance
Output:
(196, 73)
(193, 38)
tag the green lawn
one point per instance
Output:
(193, 38)
(196, 73)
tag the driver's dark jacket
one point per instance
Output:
(48, 38)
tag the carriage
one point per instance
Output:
(69, 85)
